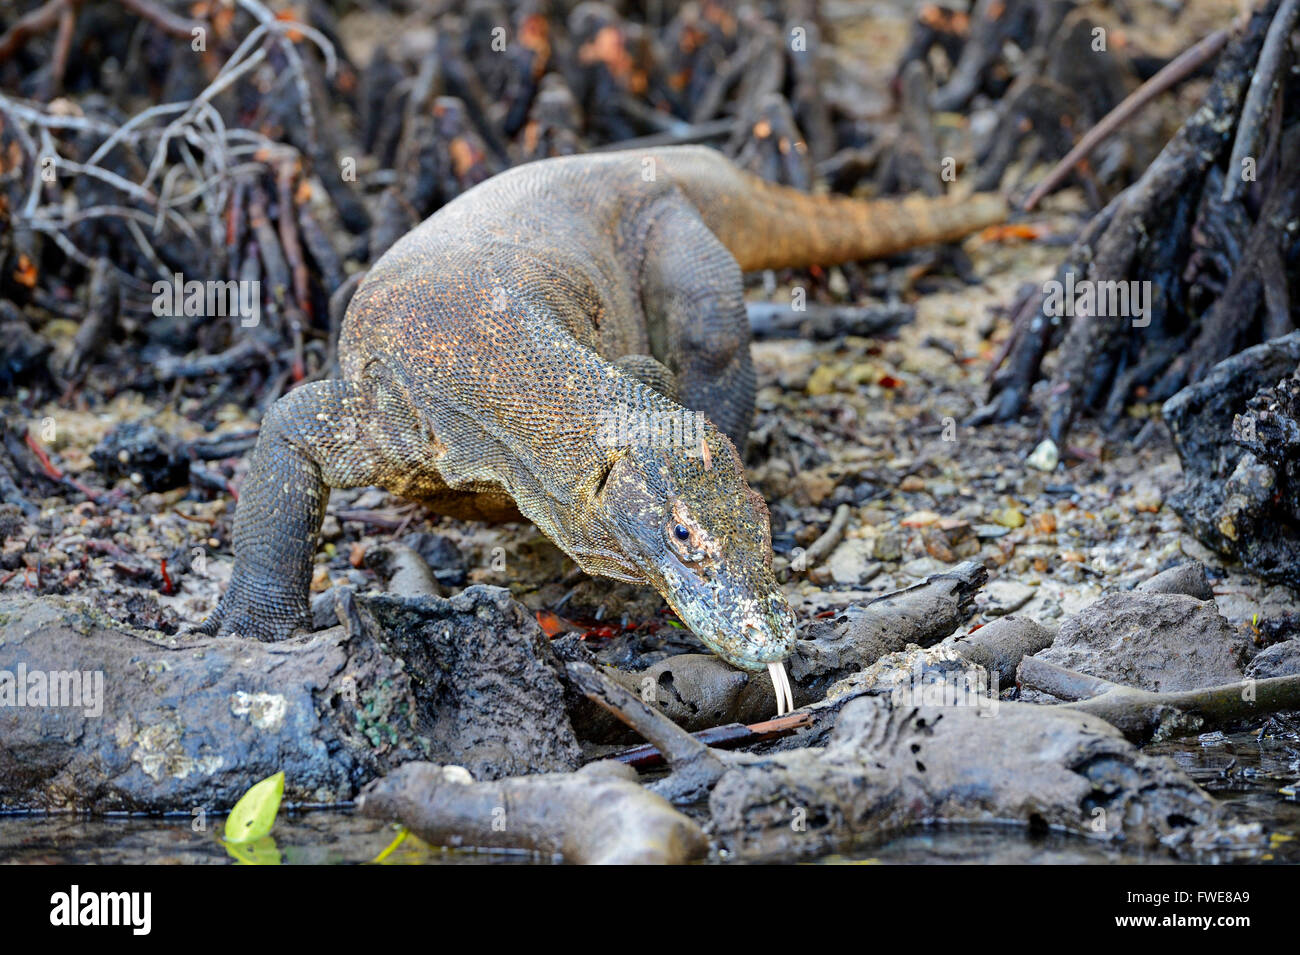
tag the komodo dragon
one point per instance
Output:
(486, 354)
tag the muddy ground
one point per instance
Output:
(873, 423)
(876, 424)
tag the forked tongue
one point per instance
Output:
(781, 684)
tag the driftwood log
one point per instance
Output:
(1145, 717)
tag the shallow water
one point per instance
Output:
(1243, 772)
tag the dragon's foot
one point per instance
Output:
(257, 611)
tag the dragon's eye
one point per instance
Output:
(681, 533)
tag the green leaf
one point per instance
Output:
(263, 851)
(254, 814)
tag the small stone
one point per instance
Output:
(920, 519)
(1045, 457)
(850, 561)
(815, 487)
(1147, 497)
(938, 547)
(889, 546)
(822, 380)
(1002, 597)
(922, 567)
(1009, 517)
(911, 484)
(1189, 579)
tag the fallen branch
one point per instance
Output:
(695, 767)
(922, 614)
(597, 815)
(769, 320)
(1177, 70)
(729, 736)
(1145, 717)
(821, 548)
(1264, 84)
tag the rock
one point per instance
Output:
(1281, 659)
(1002, 597)
(1160, 642)
(887, 768)
(167, 724)
(850, 561)
(1045, 457)
(486, 681)
(1236, 435)
(144, 454)
(177, 723)
(1186, 579)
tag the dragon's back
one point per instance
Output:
(511, 272)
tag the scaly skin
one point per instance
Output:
(540, 347)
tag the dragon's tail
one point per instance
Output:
(767, 226)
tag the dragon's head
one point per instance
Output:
(683, 519)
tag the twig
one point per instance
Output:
(38, 21)
(222, 82)
(1259, 98)
(732, 734)
(676, 745)
(1173, 73)
(164, 19)
(1145, 717)
(830, 539)
(104, 175)
(1057, 681)
(62, 46)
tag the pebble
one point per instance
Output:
(1001, 597)
(1009, 517)
(1045, 457)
